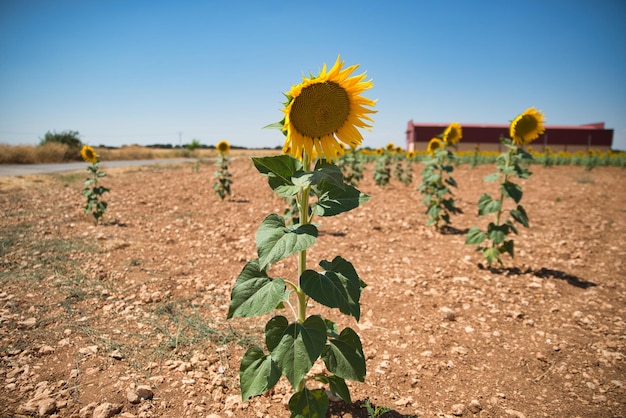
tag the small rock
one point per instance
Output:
(132, 397)
(47, 406)
(107, 410)
(458, 409)
(46, 349)
(514, 413)
(116, 354)
(475, 406)
(27, 323)
(448, 314)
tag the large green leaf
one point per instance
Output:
(323, 172)
(336, 384)
(497, 233)
(257, 373)
(308, 404)
(475, 236)
(487, 205)
(512, 190)
(254, 292)
(299, 347)
(275, 241)
(274, 331)
(279, 170)
(343, 356)
(333, 200)
(337, 287)
(519, 214)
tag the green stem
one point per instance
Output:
(506, 178)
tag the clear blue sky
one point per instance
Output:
(124, 72)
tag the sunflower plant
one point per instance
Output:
(223, 180)
(437, 179)
(513, 163)
(382, 165)
(322, 115)
(92, 190)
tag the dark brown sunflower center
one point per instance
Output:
(526, 126)
(320, 109)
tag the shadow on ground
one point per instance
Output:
(542, 273)
(362, 409)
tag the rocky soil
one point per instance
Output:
(128, 318)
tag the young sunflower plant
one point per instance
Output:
(92, 191)
(382, 165)
(437, 177)
(322, 114)
(223, 180)
(512, 163)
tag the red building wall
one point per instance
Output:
(487, 137)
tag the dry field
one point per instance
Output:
(128, 318)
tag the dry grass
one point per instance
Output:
(58, 153)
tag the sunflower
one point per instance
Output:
(452, 134)
(223, 147)
(411, 154)
(527, 127)
(324, 112)
(390, 147)
(434, 144)
(88, 154)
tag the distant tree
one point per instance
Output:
(70, 138)
(195, 144)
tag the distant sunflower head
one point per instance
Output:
(88, 154)
(527, 127)
(411, 155)
(452, 134)
(390, 147)
(433, 145)
(324, 112)
(223, 147)
(380, 151)
(398, 150)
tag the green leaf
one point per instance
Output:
(275, 241)
(475, 236)
(274, 331)
(254, 292)
(487, 205)
(299, 347)
(338, 286)
(344, 357)
(497, 233)
(333, 200)
(308, 404)
(491, 178)
(339, 388)
(257, 373)
(519, 214)
(279, 170)
(491, 255)
(512, 190)
(508, 247)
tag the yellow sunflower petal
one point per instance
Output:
(325, 111)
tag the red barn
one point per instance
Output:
(569, 138)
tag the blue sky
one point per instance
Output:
(146, 72)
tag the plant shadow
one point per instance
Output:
(450, 230)
(542, 273)
(362, 409)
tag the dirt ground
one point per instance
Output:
(128, 318)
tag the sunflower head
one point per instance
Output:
(324, 112)
(390, 147)
(452, 134)
(527, 127)
(223, 147)
(88, 154)
(433, 145)
(380, 151)
(411, 154)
